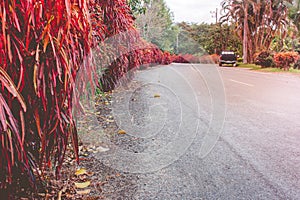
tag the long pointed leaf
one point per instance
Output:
(10, 86)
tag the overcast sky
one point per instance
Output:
(196, 11)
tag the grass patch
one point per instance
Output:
(250, 66)
(268, 69)
(294, 70)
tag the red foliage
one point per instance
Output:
(285, 59)
(214, 58)
(188, 58)
(43, 45)
(121, 48)
(179, 59)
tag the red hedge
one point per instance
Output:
(285, 59)
(43, 45)
(188, 58)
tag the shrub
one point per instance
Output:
(179, 59)
(285, 59)
(43, 44)
(264, 59)
(189, 58)
(240, 59)
(215, 58)
(121, 48)
(297, 64)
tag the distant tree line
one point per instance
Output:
(246, 26)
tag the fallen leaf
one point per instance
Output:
(82, 185)
(80, 171)
(122, 132)
(156, 96)
(90, 173)
(83, 192)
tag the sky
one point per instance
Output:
(196, 11)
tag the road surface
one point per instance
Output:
(207, 132)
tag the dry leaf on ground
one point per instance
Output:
(80, 171)
(122, 132)
(83, 192)
(82, 185)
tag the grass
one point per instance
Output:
(268, 69)
(250, 66)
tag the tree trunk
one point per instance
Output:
(245, 36)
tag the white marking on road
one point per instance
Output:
(250, 85)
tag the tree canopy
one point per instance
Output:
(155, 24)
(257, 22)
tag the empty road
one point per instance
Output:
(208, 132)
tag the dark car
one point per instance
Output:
(228, 57)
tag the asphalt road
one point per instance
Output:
(208, 132)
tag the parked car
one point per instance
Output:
(228, 57)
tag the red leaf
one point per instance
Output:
(2, 114)
(9, 49)
(10, 86)
(16, 20)
(22, 126)
(37, 122)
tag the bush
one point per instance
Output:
(189, 58)
(43, 45)
(179, 59)
(240, 59)
(285, 59)
(264, 59)
(297, 64)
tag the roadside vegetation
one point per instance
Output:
(51, 53)
(255, 30)
(267, 69)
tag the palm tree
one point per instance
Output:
(237, 12)
(257, 22)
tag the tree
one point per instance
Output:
(257, 22)
(155, 24)
(186, 41)
(294, 14)
(209, 38)
(137, 6)
(245, 33)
